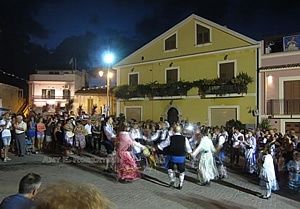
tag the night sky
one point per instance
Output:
(46, 34)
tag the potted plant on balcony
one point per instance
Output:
(242, 80)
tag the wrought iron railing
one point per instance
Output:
(283, 106)
(52, 97)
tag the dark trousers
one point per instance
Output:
(89, 142)
(20, 142)
(97, 144)
(235, 155)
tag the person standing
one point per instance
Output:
(250, 159)
(237, 139)
(40, 135)
(207, 169)
(220, 153)
(176, 152)
(89, 136)
(96, 133)
(293, 166)
(20, 129)
(32, 131)
(6, 125)
(79, 132)
(267, 174)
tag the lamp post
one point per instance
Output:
(108, 59)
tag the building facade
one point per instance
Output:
(195, 50)
(279, 78)
(50, 88)
(11, 97)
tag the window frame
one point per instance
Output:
(210, 34)
(171, 50)
(228, 61)
(172, 68)
(132, 73)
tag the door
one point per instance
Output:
(133, 113)
(291, 97)
(172, 116)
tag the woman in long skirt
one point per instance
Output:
(293, 167)
(207, 169)
(250, 159)
(127, 169)
(267, 174)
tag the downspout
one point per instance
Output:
(257, 84)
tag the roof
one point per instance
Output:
(277, 67)
(92, 91)
(200, 19)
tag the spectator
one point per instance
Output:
(28, 188)
(6, 125)
(68, 195)
(20, 128)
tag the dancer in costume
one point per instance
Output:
(207, 169)
(267, 174)
(178, 146)
(127, 169)
(293, 166)
(220, 153)
(250, 159)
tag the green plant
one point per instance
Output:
(265, 125)
(234, 123)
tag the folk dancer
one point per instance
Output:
(267, 174)
(160, 135)
(136, 135)
(109, 136)
(207, 169)
(220, 153)
(177, 147)
(293, 166)
(127, 169)
(250, 159)
(237, 139)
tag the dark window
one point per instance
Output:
(226, 71)
(172, 75)
(203, 35)
(133, 79)
(170, 43)
(48, 93)
(66, 94)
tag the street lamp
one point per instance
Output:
(108, 59)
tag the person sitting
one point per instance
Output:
(28, 188)
(69, 195)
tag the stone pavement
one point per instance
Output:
(237, 191)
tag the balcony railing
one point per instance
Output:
(283, 107)
(52, 97)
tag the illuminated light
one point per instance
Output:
(101, 73)
(109, 58)
(110, 75)
(270, 79)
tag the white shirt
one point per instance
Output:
(109, 131)
(221, 140)
(22, 125)
(236, 140)
(167, 142)
(136, 134)
(88, 128)
(6, 131)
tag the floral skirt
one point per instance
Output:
(80, 141)
(294, 181)
(126, 166)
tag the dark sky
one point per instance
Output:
(43, 34)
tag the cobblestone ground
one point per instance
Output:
(237, 191)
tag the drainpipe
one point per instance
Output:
(257, 84)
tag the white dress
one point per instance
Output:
(267, 173)
(207, 169)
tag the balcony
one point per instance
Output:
(283, 107)
(50, 97)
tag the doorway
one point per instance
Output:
(172, 115)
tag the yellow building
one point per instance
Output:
(196, 49)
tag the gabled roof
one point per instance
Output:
(200, 19)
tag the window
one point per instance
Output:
(48, 93)
(171, 75)
(133, 79)
(202, 35)
(66, 94)
(171, 42)
(226, 71)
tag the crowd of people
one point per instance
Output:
(131, 145)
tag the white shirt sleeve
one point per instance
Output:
(188, 148)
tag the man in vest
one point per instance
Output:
(220, 153)
(177, 147)
(160, 136)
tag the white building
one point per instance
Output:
(47, 88)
